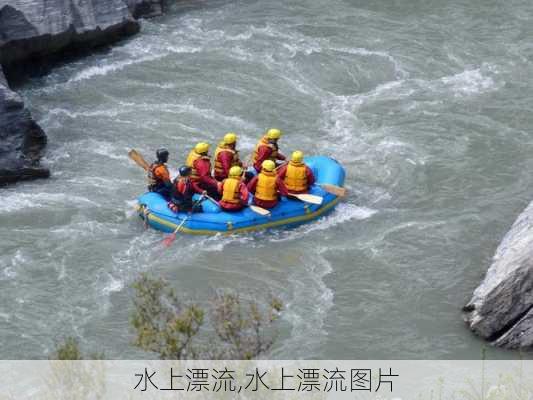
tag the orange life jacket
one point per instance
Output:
(296, 177)
(266, 186)
(230, 192)
(264, 142)
(157, 174)
(219, 171)
(191, 158)
(184, 186)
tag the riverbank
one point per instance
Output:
(28, 40)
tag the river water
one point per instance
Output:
(426, 104)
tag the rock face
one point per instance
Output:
(501, 309)
(30, 28)
(145, 8)
(21, 139)
(37, 29)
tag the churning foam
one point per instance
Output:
(22, 201)
(310, 303)
(134, 58)
(469, 82)
(344, 212)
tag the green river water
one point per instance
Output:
(426, 103)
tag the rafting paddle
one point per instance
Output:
(256, 209)
(308, 198)
(139, 160)
(213, 200)
(167, 242)
(170, 238)
(334, 189)
(259, 210)
(281, 165)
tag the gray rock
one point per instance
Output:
(145, 8)
(21, 139)
(520, 337)
(501, 308)
(36, 28)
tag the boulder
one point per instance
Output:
(501, 308)
(21, 139)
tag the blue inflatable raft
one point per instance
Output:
(154, 210)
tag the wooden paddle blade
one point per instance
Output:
(308, 198)
(167, 242)
(259, 210)
(139, 160)
(333, 189)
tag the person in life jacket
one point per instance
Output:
(200, 164)
(233, 190)
(181, 199)
(158, 175)
(226, 156)
(267, 149)
(297, 176)
(267, 186)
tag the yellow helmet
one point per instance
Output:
(201, 148)
(297, 156)
(230, 138)
(235, 171)
(273, 134)
(268, 165)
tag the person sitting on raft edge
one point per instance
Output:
(226, 156)
(297, 176)
(181, 198)
(233, 190)
(158, 175)
(267, 186)
(200, 163)
(267, 149)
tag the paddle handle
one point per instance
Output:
(281, 165)
(173, 235)
(181, 224)
(212, 199)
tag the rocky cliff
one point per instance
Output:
(501, 309)
(21, 139)
(37, 29)
(32, 28)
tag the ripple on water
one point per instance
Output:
(306, 311)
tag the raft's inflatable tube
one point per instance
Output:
(154, 208)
